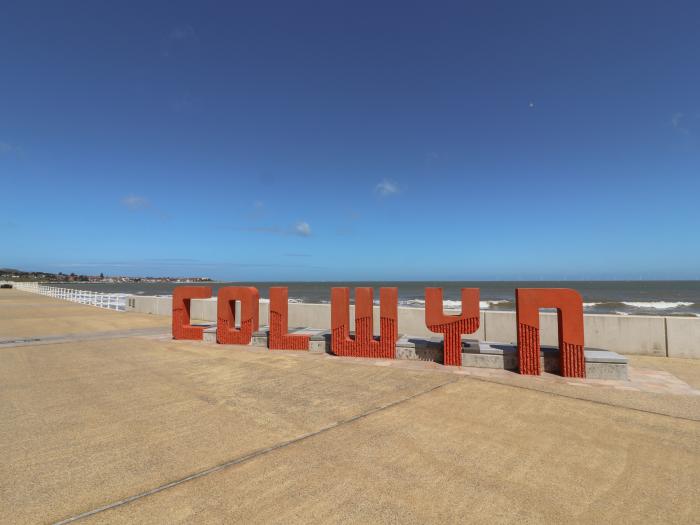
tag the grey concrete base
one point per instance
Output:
(600, 364)
(210, 335)
(319, 340)
(507, 362)
(260, 337)
(419, 349)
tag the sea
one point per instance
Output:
(668, 298)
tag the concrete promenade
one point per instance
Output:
(107, 420)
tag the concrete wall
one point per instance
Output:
(683, 337)
(626, 334)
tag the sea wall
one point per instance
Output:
(625, 334)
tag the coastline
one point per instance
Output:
(645, 298)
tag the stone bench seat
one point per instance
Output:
(319, 339)
(600, 364)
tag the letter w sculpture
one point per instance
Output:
(364, 344)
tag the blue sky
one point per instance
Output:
(351, 140)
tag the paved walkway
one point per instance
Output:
(139, 428)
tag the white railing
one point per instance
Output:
(109, 301)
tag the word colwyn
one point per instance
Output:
(568, 304)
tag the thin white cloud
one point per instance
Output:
(680, 122)
(676, 119)
(135, 202)
(7, 148)
(302, 228)
(142, 204)
(182, 33)
(258, 211)
(386, 187)
(178, 39)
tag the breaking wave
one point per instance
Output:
(612, 307)
(657, 305)
(450, 304)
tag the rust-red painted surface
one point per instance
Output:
(226, 331)
(364, 344)
(182, 295)
(452, 326)
(279, 338)
(569, 307)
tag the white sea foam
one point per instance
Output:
(450, 304)
(412, 302)
(590, 305)
(489, 304)
(657, 305)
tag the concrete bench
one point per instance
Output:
(600, 364)
(419, 348)
(319, 340)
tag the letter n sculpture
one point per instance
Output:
(279, 338)
(452, 326)
(364, 344)
(569, 307)
(226, 331)
(182, 296)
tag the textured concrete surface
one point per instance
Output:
(683, 336)
(684, 369)
(184, 432)
(24, 314)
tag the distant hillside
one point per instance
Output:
(12, 274)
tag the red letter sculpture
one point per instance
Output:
(452, 326)
(279, 338)
(226, 331)
(569, 307)
(182, 295)
(364, 344)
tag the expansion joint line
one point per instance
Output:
(247, 457)
(583, 399)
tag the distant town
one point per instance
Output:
(11, 274)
